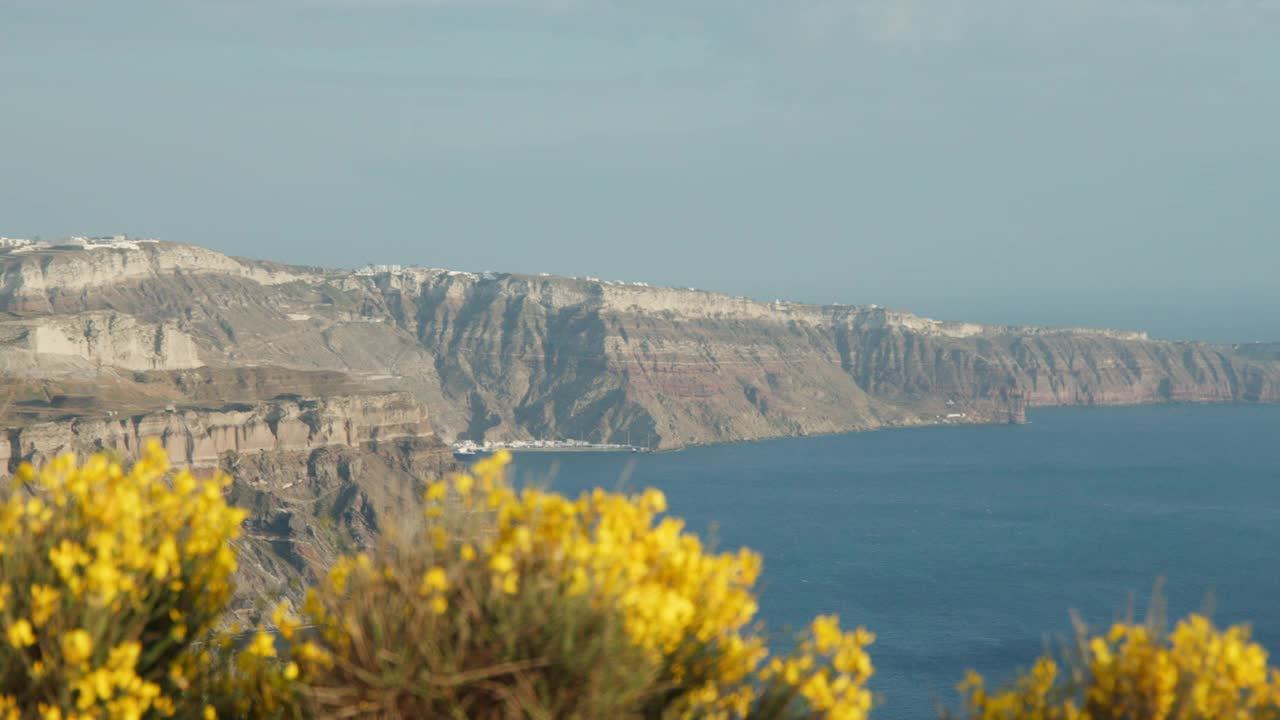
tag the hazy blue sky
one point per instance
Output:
(1067, 161)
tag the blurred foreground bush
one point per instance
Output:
(1139, 672)
(507, 605)
(107, 578)
(534, 605)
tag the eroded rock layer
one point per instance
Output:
(307, 507)
(200, 438)
(506, 356)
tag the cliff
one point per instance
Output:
(508, 356)
(319, 477)
(307, 507)
(622, 363)
(35, 280)
(200, 438)
(92, 340)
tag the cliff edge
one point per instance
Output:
(497, 356)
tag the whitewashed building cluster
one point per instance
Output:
(83, 242)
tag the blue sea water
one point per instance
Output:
(968, 546)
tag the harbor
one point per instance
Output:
(468, 449)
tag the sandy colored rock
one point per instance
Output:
(200, 438)
(497, 356)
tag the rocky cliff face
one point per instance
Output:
(92, 340)
(307, 507)
(555, 357)
(201, 438)
(498, 356)
(37, 281)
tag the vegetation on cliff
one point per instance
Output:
(504, 604)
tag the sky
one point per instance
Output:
(1062, 162)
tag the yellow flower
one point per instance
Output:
(124, 656)
(67, 556)
(285, 623)
(501, 563)
(38, 515)
(338, 575)
(312, 654)
(20, 634)
(262, 645)
(291, 671)
(166, 558)
(439, 604)
(77, 646)
(178, 676)
(43, 602)
(510, 583)
(826, 632)
(434, 580)
(654, 500)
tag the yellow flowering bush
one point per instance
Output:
(392, 638)
(238, 676)
(106, 576)
(1135, 672)
(593, 607)
(829, 670)
(507, 604)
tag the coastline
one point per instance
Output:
(468, 449)
(520, 447)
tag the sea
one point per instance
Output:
(970, 546)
